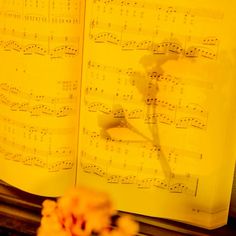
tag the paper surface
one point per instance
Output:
(156, 107)
(155, 113)
(40, 53)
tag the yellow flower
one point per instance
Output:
(82, 212)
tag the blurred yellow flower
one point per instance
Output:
(84, 212)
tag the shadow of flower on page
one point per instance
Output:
(146, 84)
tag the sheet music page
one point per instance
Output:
(233, 197)
(40, 54)
(156, 107)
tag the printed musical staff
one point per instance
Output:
(99, 34)
(36, 109)
(35, 104)
(127, 76)
(180, 116)
(40, 41)
(162, 47)
(161, 7)
(144, 25)
(120, 146)
(43, 12)
(165, 106)
(137, 108)
(30, 42)
(37, 49)
(63, 158)
(7, 88)
(162, 102)
(180, 184)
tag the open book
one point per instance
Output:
(134, 97)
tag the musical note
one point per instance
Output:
(106, 37)
(210, 41)
(129, 45)
(87, 167)
(145, 183)
(177, 188)
(28, 160)
(200, 52)
(186, 122)
(67, 164)
(39, 162)
(11, 45)
(97, 106)
(160, 117)
(194, 109)
(135, 114)
(34, 49)
(54, 166)
(98, 170)
(160, 102)
(128, 179)
(144, 45)
(64, 50)
(113, 178)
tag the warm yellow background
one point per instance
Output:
(162, 147)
